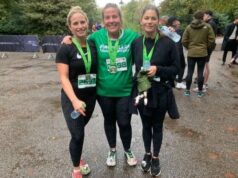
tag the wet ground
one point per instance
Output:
(34, 138)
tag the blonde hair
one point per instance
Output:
(73, 10)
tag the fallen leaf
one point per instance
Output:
(213, 156)
(234, 155)
(231, 129)
(230, 175)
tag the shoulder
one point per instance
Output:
(131, 33)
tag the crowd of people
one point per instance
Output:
(99, 67)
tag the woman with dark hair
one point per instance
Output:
(156, 58)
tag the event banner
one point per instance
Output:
(51, 44)
(19, 43)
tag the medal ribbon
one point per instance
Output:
(87, 62)
(147, 56)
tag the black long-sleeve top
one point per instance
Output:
(166, 58)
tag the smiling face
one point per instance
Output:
(112, 20)
(78, 25)
(149, 22)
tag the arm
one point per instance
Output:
(169, 72)
(185, 38)
(63, 70)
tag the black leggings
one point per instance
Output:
(76, 126)
(153, 125)
(115, 109)
(200, 68)
(181, 69)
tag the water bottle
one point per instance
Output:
(172, 35)
(74, 114)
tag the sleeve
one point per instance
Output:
(62, 54)
(169, 72)
(185, 38)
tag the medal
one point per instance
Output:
(112, 69)
(146, 65)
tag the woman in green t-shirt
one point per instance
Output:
(114, 80)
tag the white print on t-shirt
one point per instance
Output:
(79, 56)
(122, 48)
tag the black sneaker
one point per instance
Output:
(155, 167)
(146, 163)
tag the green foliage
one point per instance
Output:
(132, 13)
(224, 11)
(43, 17)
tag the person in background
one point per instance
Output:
(76, 65)
(197, 38)
(159, 54)
(208, 18)
(175, 23)
(230, 40)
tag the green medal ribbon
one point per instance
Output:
(112, 50)
(87, 62)
(146, 56)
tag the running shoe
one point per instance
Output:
(146, 163)
(111, 158)
(155, 167)
(84, 168)
(200, 94)
(76, 174)
(130, 158)
(186, 93)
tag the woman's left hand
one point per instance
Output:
(152, 70)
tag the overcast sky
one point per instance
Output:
(102, 3)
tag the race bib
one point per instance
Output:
(86, 81)
(121, 65)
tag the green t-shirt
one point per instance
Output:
(120, 83)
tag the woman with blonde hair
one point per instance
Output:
(76, 65)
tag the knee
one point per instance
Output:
(78, 136)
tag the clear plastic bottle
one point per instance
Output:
(74, 114)
(172, 35)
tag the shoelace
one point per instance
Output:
(130, 154)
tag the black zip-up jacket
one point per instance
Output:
(166, 58)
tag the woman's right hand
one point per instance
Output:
(79, 106)
(67, 40)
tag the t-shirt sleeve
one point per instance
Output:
(62, 54)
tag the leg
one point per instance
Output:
(108, 108)
(76, 128)
(200, 68)
(146, 129)
(207, 69)
(191, 65)
(224, 57)
(124, 121)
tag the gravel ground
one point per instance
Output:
(34, 138)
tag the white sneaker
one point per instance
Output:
(203, 89)
(111, 158)
(180, 85)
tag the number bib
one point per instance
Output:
(121, 65)
(86, 81)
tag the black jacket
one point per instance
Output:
(166, 58)
(226, 42)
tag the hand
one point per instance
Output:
(151, 71)
(67, 40)
(171, 29)
(79, 106)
